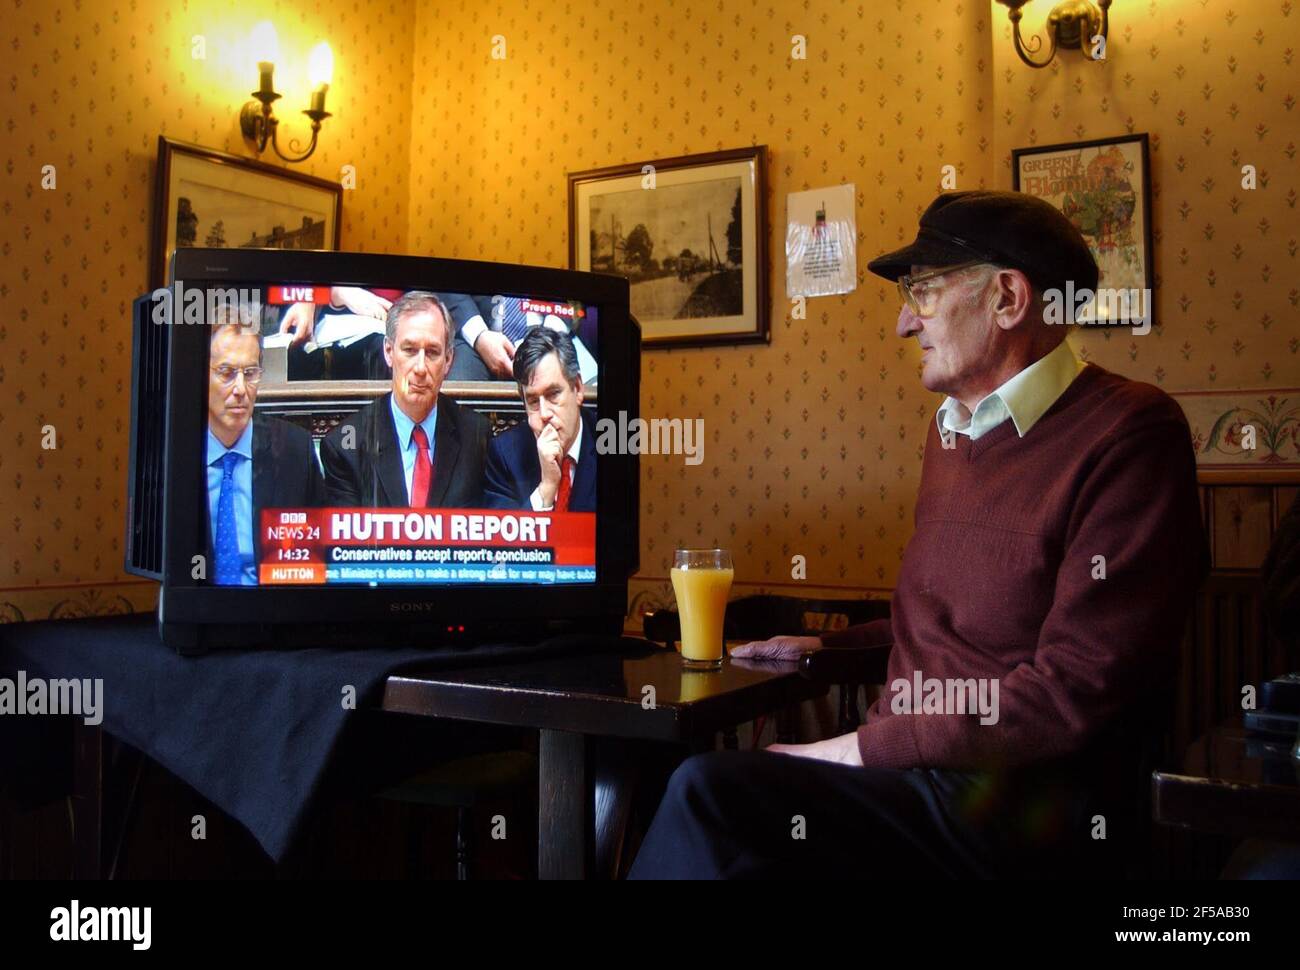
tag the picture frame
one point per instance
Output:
(1113, 212)
(707, 215)
(207, 197)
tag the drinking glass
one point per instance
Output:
(702, 582)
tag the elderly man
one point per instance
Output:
(413, 447)
(549, 462)
(253, 462)
(1056, 552)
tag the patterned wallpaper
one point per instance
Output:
(88, 87)
(1215, 87)
(813, 442)
(1215, 90)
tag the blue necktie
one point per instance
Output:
(226, 543)
(514, 322)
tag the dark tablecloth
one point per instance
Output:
(253, 731)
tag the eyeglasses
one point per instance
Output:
(227, 375)
(919, 292)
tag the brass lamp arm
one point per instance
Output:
(1015, 14)
(1071, 23)
(261, 127)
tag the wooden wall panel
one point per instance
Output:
(1242, 518)
(1283, 498)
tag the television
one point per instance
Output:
(334, 448)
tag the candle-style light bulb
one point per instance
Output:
(320, 69)
(320, 64)
(266, 51)
(264, 43)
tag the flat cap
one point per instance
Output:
(1008, 228)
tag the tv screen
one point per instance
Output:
(413, 487)
(372, 426)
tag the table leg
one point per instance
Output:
(87, 802)
(565, 824)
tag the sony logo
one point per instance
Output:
(411, 606)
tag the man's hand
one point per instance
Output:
(550, 455)
(300, 320)
(496, 350)
(778, 648)
(842, 750)
(361, 302)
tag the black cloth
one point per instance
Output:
(737, 815)
(369, 474)
(285, 473)
(513, 469)
(253, 731)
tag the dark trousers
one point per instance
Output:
(363, 360)
(752, 814)
(466, 364)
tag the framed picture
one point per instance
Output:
(204, 197)
(1104, 186)
(690, 234)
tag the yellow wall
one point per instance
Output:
(1215, 89)
(89, 90)
(813, 442)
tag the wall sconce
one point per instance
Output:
(257, 120)
(1072, 23)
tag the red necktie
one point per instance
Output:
(566, 486)
(423, 475)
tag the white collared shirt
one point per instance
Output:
(535, 500)
(1024, 398)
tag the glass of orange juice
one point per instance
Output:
(701, 582)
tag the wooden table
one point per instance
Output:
(1233, 783)
(643, 694)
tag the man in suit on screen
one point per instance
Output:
(549, 462)
(253, 462)
(414, 447)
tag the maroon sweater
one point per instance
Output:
(997, 580)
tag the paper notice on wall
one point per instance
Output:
(821, 253)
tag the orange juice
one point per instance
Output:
(696, 685)
(702, 604)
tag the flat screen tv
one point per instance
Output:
(359, 448)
